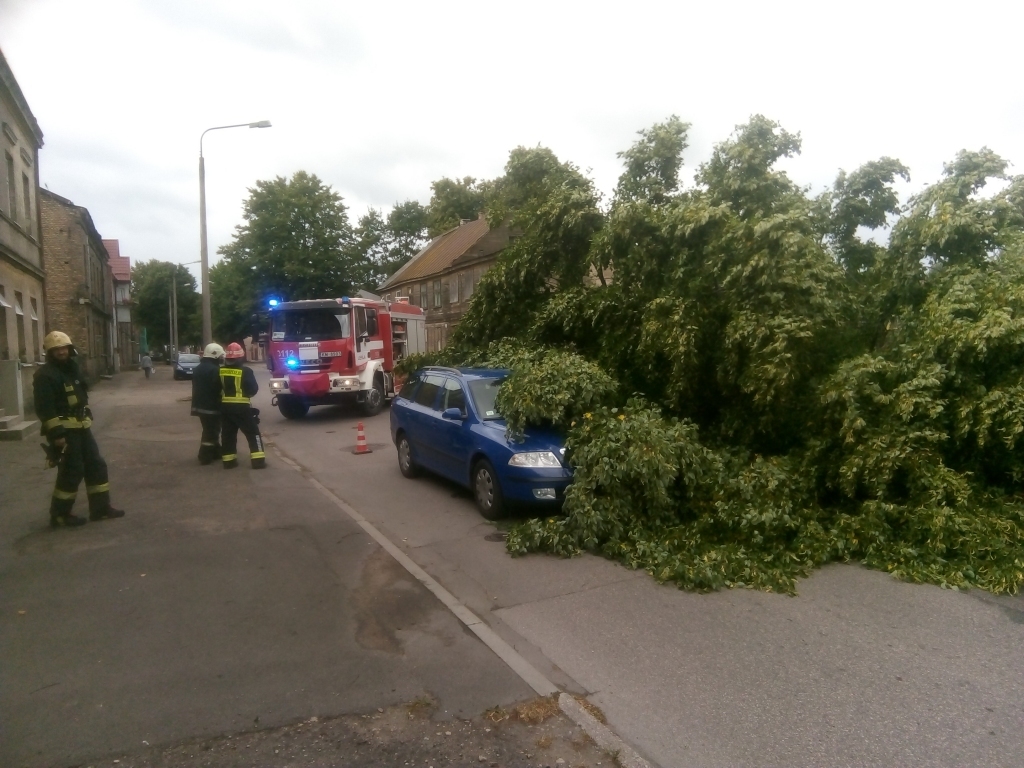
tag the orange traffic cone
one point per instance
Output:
(361, 446)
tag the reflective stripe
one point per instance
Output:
(101, 488)
(68, 388)
(229, 456)
(51, 423)
(207, 443)
(64, 495)
(72, 400)
(234, 375)
(257, 455)
(74, 423)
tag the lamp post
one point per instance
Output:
(204, 257)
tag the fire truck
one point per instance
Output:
(331, 351)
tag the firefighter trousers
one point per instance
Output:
(81, 459)
(235, 419)
(209, 443)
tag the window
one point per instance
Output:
(34, 315)
(467, 286)
(310, 324)
(453, 288)
(426, 395)
(423, 295)
(485, 392)
(437, 293)
(19, 318)
(5, 345)
(454, 397)
(371, 323)
(26, 191)
(12, 192)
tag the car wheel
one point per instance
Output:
(487, 491)
(374, 398)
(405, 463)
(292, 407)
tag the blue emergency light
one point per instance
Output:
(291, 362)
(272, 302)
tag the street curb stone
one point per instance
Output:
(602, 735)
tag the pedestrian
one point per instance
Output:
(206, 391)
(238, 384)
(147, 364)
(62, 405)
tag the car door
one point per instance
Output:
(455, 438)
(422, 421)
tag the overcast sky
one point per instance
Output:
(379, 99)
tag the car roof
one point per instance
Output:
(468, 374)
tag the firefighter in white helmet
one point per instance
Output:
(206, 391)
(238, 384)
(62, 405)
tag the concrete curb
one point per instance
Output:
(602, 735)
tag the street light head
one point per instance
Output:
(260, 124)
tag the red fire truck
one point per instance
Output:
(330, 351)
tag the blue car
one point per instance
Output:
(444, 421)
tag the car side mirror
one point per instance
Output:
(452, 414)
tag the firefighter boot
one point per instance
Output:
(231, 461)
(60, 513)
(106, 514)
(259, 463)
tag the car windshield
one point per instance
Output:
(311, 324)
(188, 358)
(483, 392)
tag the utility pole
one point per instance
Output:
(174, 300)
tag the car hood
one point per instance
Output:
(534, 438)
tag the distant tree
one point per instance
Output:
(295, 243)
(453, 200)
(653, 163)
(384, 245)
(151, 289)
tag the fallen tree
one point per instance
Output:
(750, 382)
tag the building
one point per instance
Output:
(443, 276)
(22, 296)
(127, 348)
(79, 284)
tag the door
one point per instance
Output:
(455, 438)
(422, 421)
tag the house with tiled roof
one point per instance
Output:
(443, 276)
(121, 272)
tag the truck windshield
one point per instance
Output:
(484, 391)
(311, 324)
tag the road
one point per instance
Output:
(226, 609)
(858, 669)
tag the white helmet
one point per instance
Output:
(214, 350)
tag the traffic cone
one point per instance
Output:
(361, 446)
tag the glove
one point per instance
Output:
(255, 415)
(53, 454)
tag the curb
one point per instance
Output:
(602, 735)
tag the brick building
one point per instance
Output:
(22, 306)
(127, 348)
(443, 276)
(79, 285)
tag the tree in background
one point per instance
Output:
(295, 243)
(383, 245)
(151, 289)
(452, 201)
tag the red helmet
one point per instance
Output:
(234, 351)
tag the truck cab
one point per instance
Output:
(335, 351)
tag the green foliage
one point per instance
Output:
(151, 291)
(383, 245)
(453, 200)
(762, 388)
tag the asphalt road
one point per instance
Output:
(858, 669)
(224, 602)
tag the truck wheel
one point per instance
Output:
(487, 491)
(292, 407)
(374, 397)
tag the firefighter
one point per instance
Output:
(62, 405)
(206, 401)
(238, 384)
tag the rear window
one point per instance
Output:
(311, 324)
(188, 358)
(484, 392)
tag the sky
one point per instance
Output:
(380, 99)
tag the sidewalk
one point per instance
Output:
(224, 602)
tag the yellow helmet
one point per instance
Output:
(55, 339)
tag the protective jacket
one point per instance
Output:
(206, 388)
(238, 384)
(61, 399)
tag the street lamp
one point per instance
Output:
(204, 256)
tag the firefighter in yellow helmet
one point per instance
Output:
(62, 405)
(238, 384)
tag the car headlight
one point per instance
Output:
(534, 459)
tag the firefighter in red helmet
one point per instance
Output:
(238, 384)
